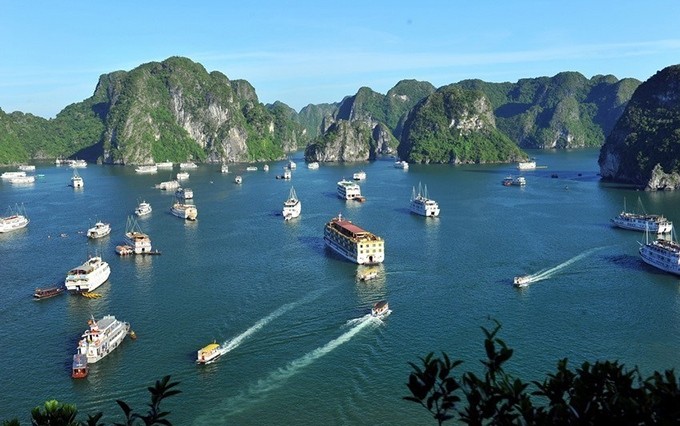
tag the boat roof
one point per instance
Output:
(380, 304)
(209, 348)
(349, 226)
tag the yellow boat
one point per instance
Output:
(208, 354)
(91, 295)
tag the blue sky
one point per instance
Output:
(301, 52)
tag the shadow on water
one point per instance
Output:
(402, 210)
(314, 243)
(626, 261)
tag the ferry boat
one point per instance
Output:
(381, 309)
(359, 175)
(27, 167)
(46, 293)
(164, 165)
(16, 219)
(653, 223)
(292, 207)
(514, 181)
(238, 180)
(182, 175)
(11, 175)
(99, 230)
(521, 281)
(99, 340)
(188, 165)
(422, 205)
(526, 165)
(208, 354)
(77, 164)
(143, 209)
(168, 185)
(265, 167)
(184, 211)
(292, 165)
(135, 238)
(348, 190)
(314, 165)
(662, 254)
(184, 193)
(224, 168)
(22, 179)
(354, 243)
(151, 168)
(251, 169)
(88, 276)
(76, 180)
(401, 165)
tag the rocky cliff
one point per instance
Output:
(644, 146)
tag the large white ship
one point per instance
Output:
(348, 190)
(76, 180)
(99, 340)
(184, 211)
(422, 205)
(354, 243)
(135, 238)
(662, 254)
(88, 276)
(149, 168)
(15, 220)
(526, 165)
(644, 222)
(292, 207)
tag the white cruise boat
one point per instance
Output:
(662, 254)
(238, 180)
(88, 276)
(182, 175)
(348, 190)
(78, 164)
(208, 354)
(102, 337)
(143, 209)
(265, 167)
(188, 165)
(184, 193)
(381, 309)
(27, 167)
(77, 181)
(287, 175)
(653, 223)
(168, 185)
(150, 168)
(184, 211)
(12, 175)
(99, 230)
(514, 181)
(251, 168)
(526, 165)
(22, 180)
(314, 165)
(16, 219)
(292, 207)
(353, 243)
(359, 175)
(291, 165)
(164, 165)
(138, 241)
(224, 168)
(401, 165)
(422, 205)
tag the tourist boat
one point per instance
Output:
(46, 293)
(208, 354)
(184, 211)
(287, 175)
(143, 209)
(99, 340)
(521, 281)
(135, 238)
(662, 254)
(314, 165)
(348, 190)
(16, 219)
(291, 165)
(168, 185)
(11, 175)
(184, 193)
(79, 367)
(292, 207)
(77, 164)
(188, 165)
(526, 165)
(27, 167)
(182, 175)
(401, 165)
(367, 275)
(653, 223)
(265, 167)
(99, 230)
(422, 205)
(238, 180)
(88, 276)
(359, 175)
(22, 179)
(251, 169)
(353, 243)
(164, 165)
(76, 180)
(224, 168)
(151, 168)
(514, 181)
(380, 310)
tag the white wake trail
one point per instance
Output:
(545, 274)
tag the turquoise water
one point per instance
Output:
(292, 315)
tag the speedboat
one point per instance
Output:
(99, 230)
(521, 281)
(143, 209)
(238, 180)
(208, 354)
(359, 175)
(380, 310)
(368, 275)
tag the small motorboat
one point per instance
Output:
(367, 275)
(238, 180)
(381, 309)
(208, 354)
(80, 368)
(521, 281)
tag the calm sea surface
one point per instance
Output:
(302, 350)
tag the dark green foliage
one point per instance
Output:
(311, 117)
(601, 393)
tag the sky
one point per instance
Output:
(302, 52)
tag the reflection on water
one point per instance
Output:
(371, 289)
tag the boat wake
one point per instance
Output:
(232, 344)
(550, 272)
(276, 379)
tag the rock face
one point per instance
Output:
(644, 147)
(454, 125)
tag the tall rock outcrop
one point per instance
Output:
(644, 147)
